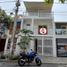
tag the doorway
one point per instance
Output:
(2, 44)
(38, 46)
(35, 47)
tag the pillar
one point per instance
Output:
(54, 39)
(6, 44)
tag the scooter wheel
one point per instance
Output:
(21, 62)
(38, 62)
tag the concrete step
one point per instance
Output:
(58, 60)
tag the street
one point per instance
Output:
(4, 64)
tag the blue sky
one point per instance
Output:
(60, 10)
(10, 6)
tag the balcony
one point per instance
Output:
(38, 14)
(61, 31)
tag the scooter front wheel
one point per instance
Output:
(21, 62)
(38, 62)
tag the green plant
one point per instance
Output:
(4, 18)
(51, 1)
(25, 38)
(48, 1)
(13, 57)
(2, 57)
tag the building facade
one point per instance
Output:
(38, 18)
(50, 38)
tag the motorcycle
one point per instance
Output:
(29, 58)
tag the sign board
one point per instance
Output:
(42, 30)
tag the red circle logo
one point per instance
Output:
(43, 31)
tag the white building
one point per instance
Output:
(39, 19)
(50, 38)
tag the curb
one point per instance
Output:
(5, 60)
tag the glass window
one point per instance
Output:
(27, 24)
(48, 48)
(61, 47)
(48, 42)
(39, 46)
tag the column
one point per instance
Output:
(54, 39)
(42, 46)
(32, 25)
(32, 29)
(21, 24)
(54, 47)
(6, 44)
(32, 44)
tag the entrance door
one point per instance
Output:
(2, 44)
(35, 48)
(43, 46)
(38, 46)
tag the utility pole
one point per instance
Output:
(14, 27)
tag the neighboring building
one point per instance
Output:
(3, 36)
(6, 37)
(61, 39)
(50, 38)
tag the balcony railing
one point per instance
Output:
(61, 31)
(37, 14)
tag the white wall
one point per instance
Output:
(17, 50)
(48, 23)
(38, 22)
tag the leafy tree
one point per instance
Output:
(48, 1)
(4, 18)
(51, 1)
(25, 38)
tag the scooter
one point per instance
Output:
(29, 58)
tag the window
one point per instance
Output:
(18, 25)
(48, 48)
(28, 27)
(27, 24)
(61, 47)
(39, 48)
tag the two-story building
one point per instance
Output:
(38, 18)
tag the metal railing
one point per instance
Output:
(61, 31)
(37, 14)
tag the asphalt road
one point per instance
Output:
(3, 64)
